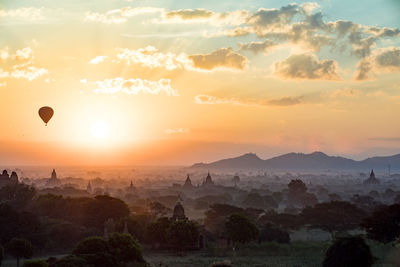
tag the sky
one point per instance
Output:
(145, 82)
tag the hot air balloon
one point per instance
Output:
(46, 113)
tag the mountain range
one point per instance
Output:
(316, 161)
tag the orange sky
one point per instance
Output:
(150, 82)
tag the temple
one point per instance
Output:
(89, 188)
(53, 181)
(188, 183)
(5, 179)
(131, 188)
(208, 181)
(372, 179)
(179, 212)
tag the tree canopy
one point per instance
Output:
(348, 251)
(241, 229)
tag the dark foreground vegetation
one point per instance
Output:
(105, 231)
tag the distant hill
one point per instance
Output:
(302, 162)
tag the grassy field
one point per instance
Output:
(304, 254)
(296, 254)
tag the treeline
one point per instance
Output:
(54, 224)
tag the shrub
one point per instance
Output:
(270, 233)
(35, 263)
(70, 261)
(221, 264)
(348, 251)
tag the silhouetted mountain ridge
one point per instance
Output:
(305, 162)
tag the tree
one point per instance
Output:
(137, 225)
(17, 195)
(271, 233)
(1, 254)
(253, 200)
(297, 187)
(118, 250)
(91, 245)
(366, 203)
(158, 209)
(348, 251)
(125, 248)
(14, 223)
(297, 191)
(333, 216)
(221, 264)
(241, 229)
(19, 248)
(95, 251)
(384, 224)
(216, 216)
(156, 232)
(70, 261)
(283, 220)
(270, 202)
(104, 208)
(183, 235)
(65, 234)
(35, 263)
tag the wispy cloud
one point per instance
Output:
(21, 65)
(200, 15)
(176, 130)
(135, 86)
(215, 100)
(98, 60)
(26, 13)
(118, 16)
(151, 57)
(385, 139)
(30, 73)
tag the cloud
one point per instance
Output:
(346, 92)
(201, 15)
(309, 7)
(27, 13)
(118, 16)
(264, 20)
(135, 86)
(176, 130)
(382, 60)
(4, 74)
(4, 54)
(258, 47)
(307, 66)
(215, 100)
(364, 68)
(385, 139)
(152, 58)
(30, 73)
(223, 58)
(21, 65)
(25, 54)
(98, 59)
(188, 14)
(285, 101)
(389, 59)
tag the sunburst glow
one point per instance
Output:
(100, 130)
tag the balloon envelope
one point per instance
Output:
(46, 113)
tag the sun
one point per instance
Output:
(100, 130)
